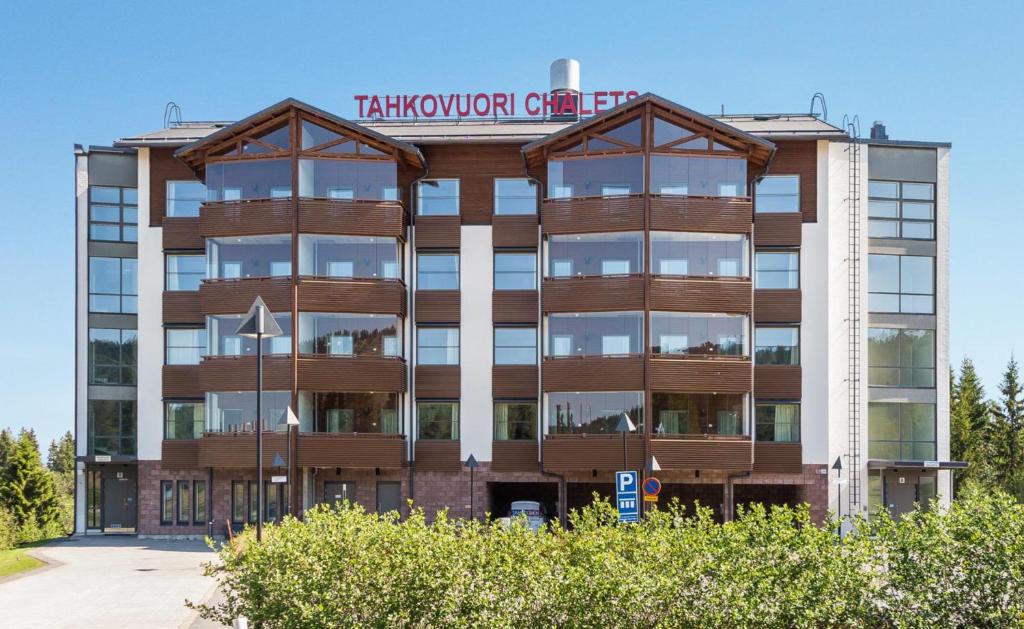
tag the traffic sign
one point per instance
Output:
(626, 496)
(652, 486)
(650, 498)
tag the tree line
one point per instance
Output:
(36, 500)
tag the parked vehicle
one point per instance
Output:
(535, 512)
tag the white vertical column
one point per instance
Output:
(150, 323)
(81, 331)
(476, 342)
(945, 483)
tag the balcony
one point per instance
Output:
(778, 458)
(246, 218)
(698, 453)
(593, 293)
(320, 372)
(681, 374)
(351, 217)
(238, 449)
(181, 232)
(182, 306)
(238, 373)
(438, 456)
(728, 215)
(734, 296)
(592, 214)
(594, 373)
(356, 296)
(234, 296)
(592, 452)
(515, 231)
(514, 456)
(351, 450)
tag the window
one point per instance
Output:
(199, 502)
(166, 502)
(778, 193)
(348, 257)
(185, 272)
(350, 334)
(683, 175)
(184, 503)
(113, 285)
(184, 420)
(113, 214)
(698, 414)
(375, 180)
(438, 420)
(112, 356)
(699, 255)
(901, 284)
(248, 256)
(777, 346)
(595, 334)
(580, 255)
(93, 498)
(515, 421)
(185, 197)
(223, 341)
(777, 422)
(515, 346)
(698, 334)
(249, 179)
(596, 177)
(777, 270)
(232, 411)
(515, 196)
(185, 346)
(901, 210)
(437, 271)
(593, 412)
(112, 427)
(438, 197)
(437, 346)
(238, 502)
(901, 432)
(349, 412)
(515, 271)
(901, 358)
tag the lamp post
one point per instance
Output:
(258, 324)
(625, 426)
(472, 464)
(838, 467)
(288, 419)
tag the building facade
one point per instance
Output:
(762, 295)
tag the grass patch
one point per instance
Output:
(18, 560)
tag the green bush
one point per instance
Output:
(963, 566)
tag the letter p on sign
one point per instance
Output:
(626, 481)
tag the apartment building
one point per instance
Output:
(762, 295)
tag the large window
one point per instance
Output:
(230, 411)
(778, 193)
(685, 175)
(249, 179)
(901, 358)
(249, 256)
(112, 427)
(350, 334)
(595, 254)
(223, 340)
(595, 334)
(901, 210)
(593, 412)
(349, 412)
(185, 272)
(438, 420)
(699, 255)
(199, 502)
(596, 177)
(777, 346)
(515, 271)
(184, 420)
(437, 271)
(349, 257)
(166, 502)
(902, 432)
(437, 346)
(112, 356)
(515, 346)
(185, 346)
(184, 503)
(777, 422)
(113, 285)
(698, 334)
(515, 196)
(437, 197)
(777, 269)
(901, 284)
(375, 180)
(699, 414)
(185, 197)
(113, 214)
(515, 421)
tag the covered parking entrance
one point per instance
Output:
(502, 495)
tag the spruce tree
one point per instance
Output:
(1009, 420)
(26, 487)
(970, 425)
(61, 456)
(6, 448)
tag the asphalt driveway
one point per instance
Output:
(109, 582)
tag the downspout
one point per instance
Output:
(729, 501)
(413, 419)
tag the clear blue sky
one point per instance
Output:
(92, 72)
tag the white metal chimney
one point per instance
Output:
(565, 84)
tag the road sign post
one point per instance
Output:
(626, 498)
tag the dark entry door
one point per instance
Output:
(119, 511)
(337, 492)
(389, 496)
(900, 492)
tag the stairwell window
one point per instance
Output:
(901, 209)
(904, 284)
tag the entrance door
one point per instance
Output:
(337, 492)
(119, 511)
(902, 488)
(389, 496)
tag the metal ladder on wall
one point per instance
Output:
(854, 320)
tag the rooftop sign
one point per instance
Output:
(490, 104)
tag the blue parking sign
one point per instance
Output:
(626, 496)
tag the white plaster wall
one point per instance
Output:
(150, 323)
(945, 488)
(476, 342)
(81, 331)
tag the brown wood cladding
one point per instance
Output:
(514, 456)
(438, 381)
(238, 373)
(181, 232)
(238, 450)
(163, 167)
(514, 381)
(438, 456)
(179, 454)
(351, 217)
(438, 232)
(236, 296)
(593, 294)
(514, 306)
(596, 373)
(703, 454)
(800, 158)
(437, 306)
(352, 296)
(181, 381)
(701, 214)
(350, 450)
(778, 458)
(777, 306)
(475, 166)
(515, 231)
(778, 230)
(695, 375)
(592, 214)
(335, 373)
(777, 382)
(698, 295)
(246, 218)
(591, 452)
(182, 307)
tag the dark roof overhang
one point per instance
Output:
(889, 464)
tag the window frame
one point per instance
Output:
(495, 345)
(166, 423)
(457, 197)
(758, 194)
(900, 441)
(497, 197)
(771, 252)
(180, 274)
(439, 254)
(196, 521)
(899, 357)
(121, 365)
(899, 200)
(514, 252)
(899, 280)
(122, 206)
(799, 419)
(167, 493)
(121, 294)
(516, 402)
(420, 346)
(169, 201)
(794, 349)
(456, 421)
(202, 347)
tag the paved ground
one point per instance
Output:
(109, 582)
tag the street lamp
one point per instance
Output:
(838, 467)
(287, 420)
(258, 324)
(472, 464)
(625, 426)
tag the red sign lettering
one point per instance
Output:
(489, 104)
